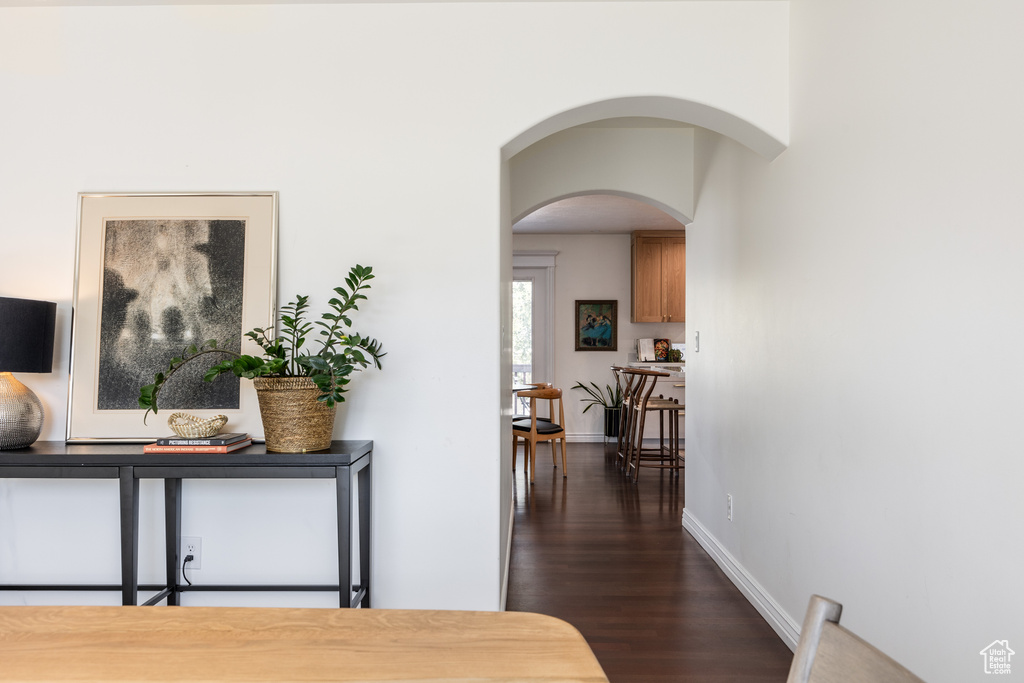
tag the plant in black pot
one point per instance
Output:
(609, 398)
(298, 387)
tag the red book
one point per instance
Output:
(153, 448)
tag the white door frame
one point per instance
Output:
(539, 266)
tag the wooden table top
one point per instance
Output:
(285, 644)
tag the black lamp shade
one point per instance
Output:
(26, 335)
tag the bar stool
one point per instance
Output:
(631, 383)
(673, 456)
(638, 401)
(639, 387)
(624, 384)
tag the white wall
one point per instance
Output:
(592, 267)
(859, 302)
(382, 127)
(652, 162)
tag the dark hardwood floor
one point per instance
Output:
(612, 559)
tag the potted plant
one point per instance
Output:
(298, 388)
(610, 398)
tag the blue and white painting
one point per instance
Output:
(596, 325)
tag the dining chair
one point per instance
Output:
(537, 429)
(526, 418)
(829, 653)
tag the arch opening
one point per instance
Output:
(600, 211)
(655, 107)
(652, 106)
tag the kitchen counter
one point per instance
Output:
(677, 370)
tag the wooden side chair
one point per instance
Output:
(537, 429)
(526, 418)
(829, 653)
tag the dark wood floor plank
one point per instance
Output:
(612, 558)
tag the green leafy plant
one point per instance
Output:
(609, 398)
(330, 366)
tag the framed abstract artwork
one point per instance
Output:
(597, 325)
(157, 273)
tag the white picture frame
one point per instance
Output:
(155, 273)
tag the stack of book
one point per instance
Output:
(218, 443)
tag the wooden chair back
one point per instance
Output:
(829, 653)
(519, 403)
(551, 395)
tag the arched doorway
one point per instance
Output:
(523, 194)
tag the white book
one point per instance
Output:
(645, 350)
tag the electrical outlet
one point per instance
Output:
(728, 500)
(192, 545)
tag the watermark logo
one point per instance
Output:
(997, 657)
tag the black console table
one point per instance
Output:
(128, 464)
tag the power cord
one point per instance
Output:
(188, 558)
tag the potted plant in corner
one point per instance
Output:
(298, 388)
(610, 398)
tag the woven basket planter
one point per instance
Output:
(293, 420)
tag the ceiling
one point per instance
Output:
(99, 3)
(603, 213)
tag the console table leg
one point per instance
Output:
(129, 489)
(172, 537)
(344, 502)
(365, 478)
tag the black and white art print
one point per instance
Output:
(168, 284)
(156, 274)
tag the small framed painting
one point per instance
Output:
(661, 349)
(156, 274)
(597, 325)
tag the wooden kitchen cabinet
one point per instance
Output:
(659, 276)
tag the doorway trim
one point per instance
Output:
(542, 260)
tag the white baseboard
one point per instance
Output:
(508, 555)
(766, 606)
(585, 438)
(582, 437)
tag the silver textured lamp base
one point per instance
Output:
(21, 414)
